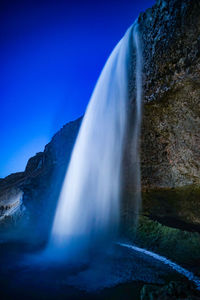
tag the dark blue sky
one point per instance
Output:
(51, 54)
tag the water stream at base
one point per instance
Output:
(189, 275)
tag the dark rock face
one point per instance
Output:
(44, 176)
(41, 181)
(170, 133)
(176, 207)
(170, 139)
(170, 32)
(10, 180)
(172, 291)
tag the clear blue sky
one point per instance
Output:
(51, 54)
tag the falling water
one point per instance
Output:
(88, 207)
(132, 181)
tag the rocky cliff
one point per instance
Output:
(40, 183)
(170, 157)
(170, 140)
(170, 137)
(170, 32)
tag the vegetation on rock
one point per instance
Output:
(178, 245)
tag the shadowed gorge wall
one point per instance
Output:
(170, 139)
(171, 122)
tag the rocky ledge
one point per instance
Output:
(11, 204)
(38, 186)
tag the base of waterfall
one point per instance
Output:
(189, 275)
(115, 273)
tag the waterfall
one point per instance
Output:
(132, 176)
(137, 128)
(89, 203)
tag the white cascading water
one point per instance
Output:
(88, 207)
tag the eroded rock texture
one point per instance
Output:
(170, 32)
(170, 139)
(170, 135)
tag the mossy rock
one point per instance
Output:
(180, 246)
(181, 204)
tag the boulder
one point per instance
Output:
(172, 291)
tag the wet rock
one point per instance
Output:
(172, 241)
(170, 138)
(11, 207)
(175, 207)
(170, 33)
(172, 291)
